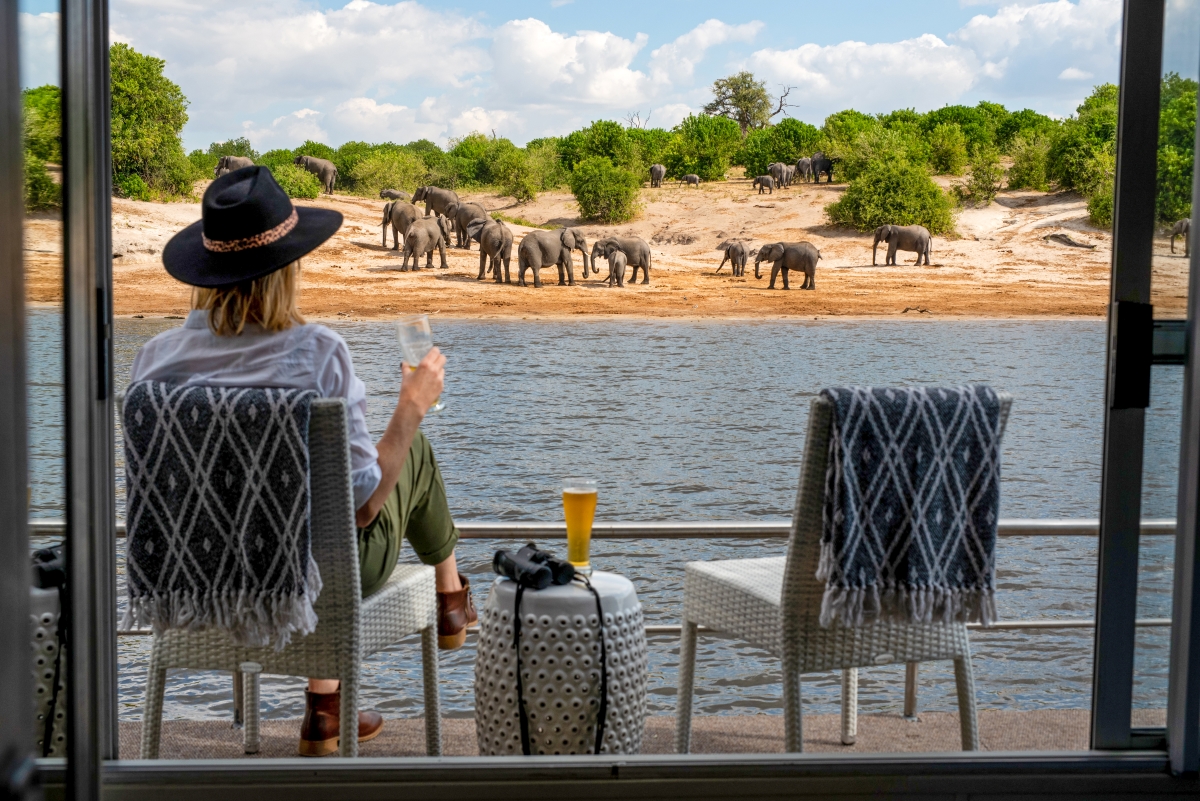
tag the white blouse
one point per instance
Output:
(302, 357)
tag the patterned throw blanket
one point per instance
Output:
(912, 492)
(218, 511)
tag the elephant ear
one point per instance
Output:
(475, 227)
(568, 237)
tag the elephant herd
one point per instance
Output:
(324, 169)
(781, 176)
(783, 257)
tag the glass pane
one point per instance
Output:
(43, 256)
(1176, 141)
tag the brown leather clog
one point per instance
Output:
(322, 718)
(456, 613)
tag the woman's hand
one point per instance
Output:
(420, 388)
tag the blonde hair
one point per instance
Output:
(269, 301)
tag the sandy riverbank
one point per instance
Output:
(1000, 265)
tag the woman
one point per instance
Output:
(243, 261)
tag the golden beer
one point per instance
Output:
(579, 509)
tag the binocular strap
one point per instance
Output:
(602, 715)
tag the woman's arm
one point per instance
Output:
(418, 390)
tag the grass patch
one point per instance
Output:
(522, 221)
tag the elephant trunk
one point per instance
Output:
(757, 262)
(875, 248)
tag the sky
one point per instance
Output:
(282, 71)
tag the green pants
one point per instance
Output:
(416, 508)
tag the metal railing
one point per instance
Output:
(777, 529)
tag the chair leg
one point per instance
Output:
(910, 690)
(687, 681)
(348, 722)
(964, 680)
(849, 706)
(239, 700)
(793, 723)
(156, 685)
(251, 712)
(433, 703)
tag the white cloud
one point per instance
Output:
(288, 130)
(921, 72)
(39, 48)
(676, 62)
(1072, 74)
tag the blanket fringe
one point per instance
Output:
(852, 607)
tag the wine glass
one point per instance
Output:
(416, 339)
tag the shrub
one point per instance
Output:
(704, 146)
(1080, 138)
(842, 128)
(395, 169)
(978, 123)
(546, 164)
(1025, 124)
(516, 175)
(947, 149)
(1176, 143)
(785, 142)
(40, 190)
(604, 191)
(894, 192)
(317, 149)
(132, 187)
(276, 158)
(986, 177)
(879, 145)
(148, 115)
(297, 181)
(1029, 163)
(650, 145)
(1098, 185)
(42, 112)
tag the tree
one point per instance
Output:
(986, 177)
(604, 191)
(42, 109)
(948, 149)
(744, 100)
(894, 192)
(703, 145)
(148, 115)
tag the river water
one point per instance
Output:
(706, 421)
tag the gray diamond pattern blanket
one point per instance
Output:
(217, 511)
(912, 493)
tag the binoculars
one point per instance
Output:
(532, 568)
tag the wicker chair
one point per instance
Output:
(349, 628)
(775, 604)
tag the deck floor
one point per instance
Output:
(1000, 730)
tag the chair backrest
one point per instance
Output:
(331, 500)
(802, 591)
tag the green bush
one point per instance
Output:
(785, 142)
(1176, 143)
(148, 115)
(894, 192)
(841, 130)
(42, 117)
(546, 164)
(1029, 169)
(986, 178)
(205, 161)
(1098, 185)
(604, 191)
(704, 146)
(276, 158)
(978, 123)
(1025, 124)
(40, 190)
(650, 144)
(132, 187)
(878, 145)
(318, 150)
(297, 181)
(947, 149)
(1080, 138)
(395, 169)
(516, 175)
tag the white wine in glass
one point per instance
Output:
(416, 339)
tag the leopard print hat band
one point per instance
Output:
(256, 241)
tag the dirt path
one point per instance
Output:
(1001, 264)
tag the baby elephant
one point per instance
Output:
(786, 256)
(495, 242)
(394, 194)
(423, 236)
(1181, 228)
(616, 264)
(735, 252)
(764, 182)
(691, 179)
(913, 238)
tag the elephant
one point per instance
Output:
(436, 199)
(230, 163)
(425, 234)
(542, 248)
(637, 254)
(616, 264)
(821, 164)
(913, 238)
(691, 179)
(789, 174)
(324, 169)
(764, 182)
(804, 169)
(460, 215)
(776, 170)
(394, 194)
(401, 216)
(1182, 228)
(657, 173)
(495, 242)
(735, 253)
(786, 256)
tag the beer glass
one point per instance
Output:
(579, 508)
(416, 339)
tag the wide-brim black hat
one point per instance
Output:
(248, 228)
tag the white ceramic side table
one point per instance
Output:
(560, 669)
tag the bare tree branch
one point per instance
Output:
(783, 102)
(634, 120)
